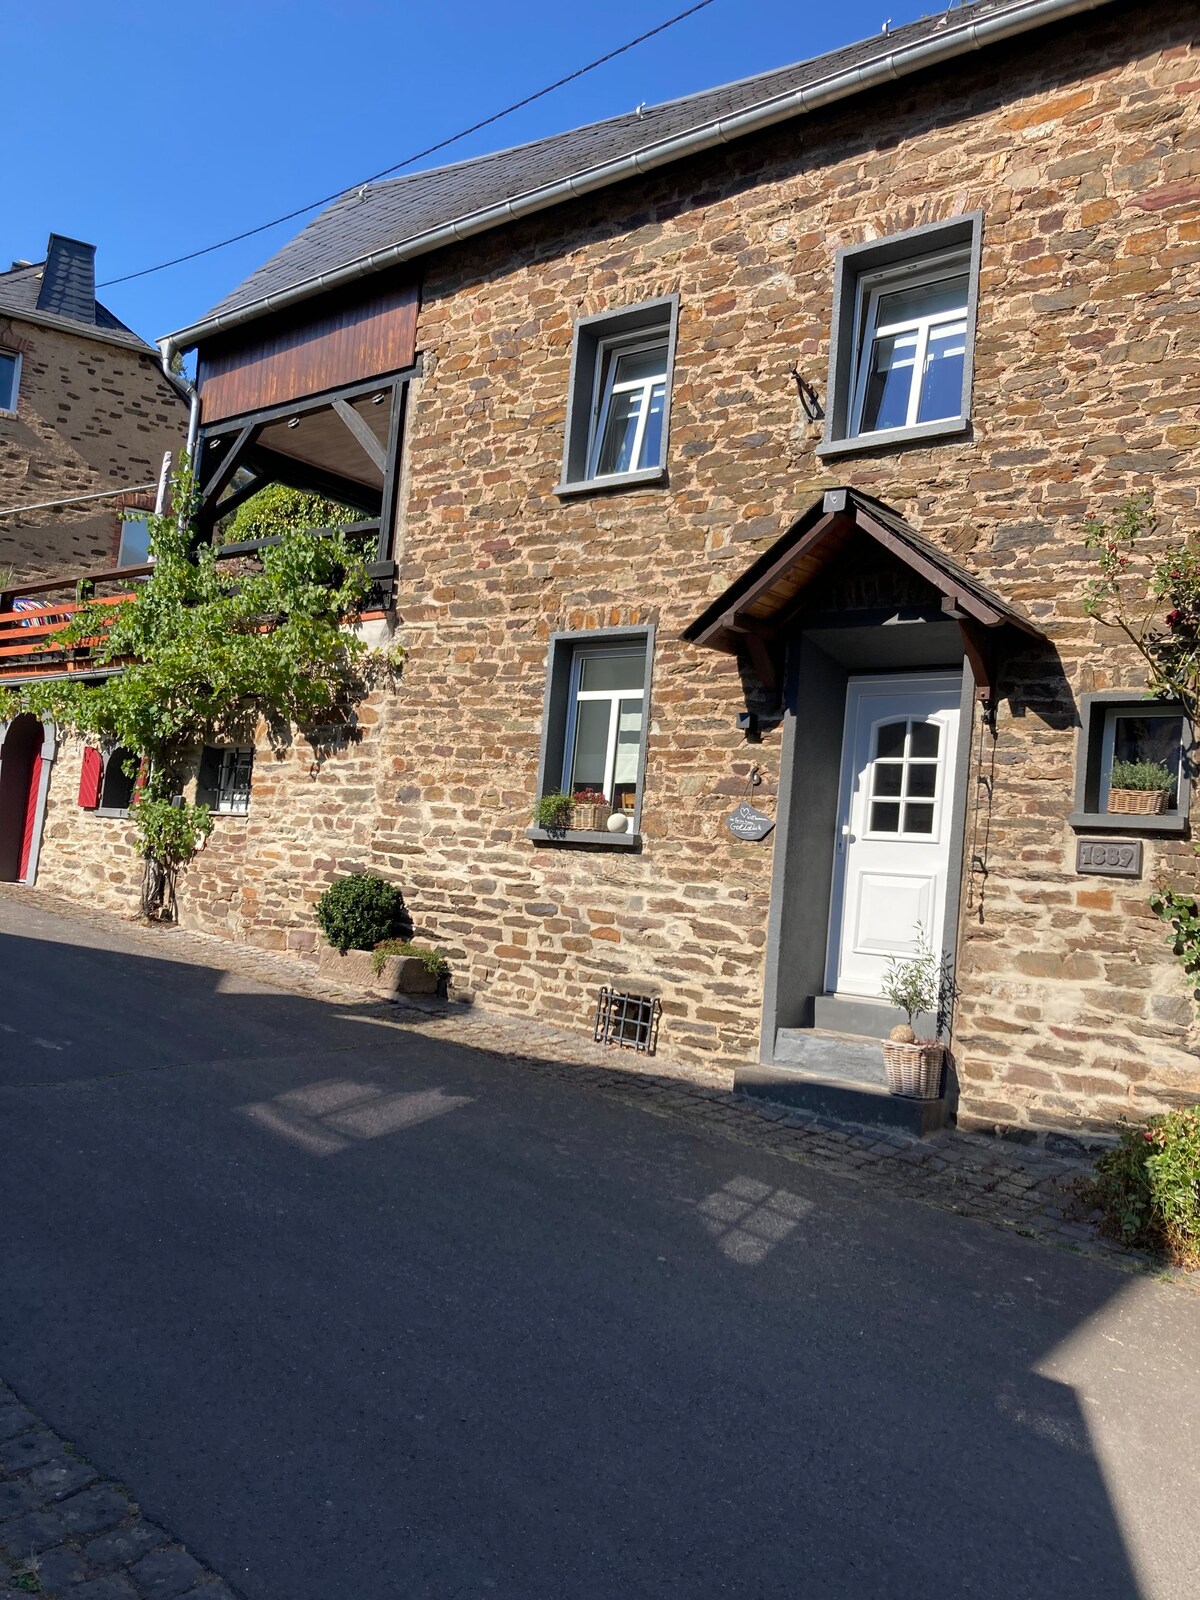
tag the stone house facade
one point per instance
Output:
(84, 408)
(871, 362)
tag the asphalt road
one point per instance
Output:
(362, 1317)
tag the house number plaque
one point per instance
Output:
(1115, 858)
(747, 822)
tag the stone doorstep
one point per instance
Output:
(398, 975)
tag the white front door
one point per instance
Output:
(891, 860)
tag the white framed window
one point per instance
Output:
(134, 548)
(619, 398)
(10, 379)
(913, 350)
(225, 778)
(1143, 734)
(631, 395)
(902, 338)
(606, 707)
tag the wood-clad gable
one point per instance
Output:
(322, 346)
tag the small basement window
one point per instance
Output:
(225, 776)
(10, 379)
(1124, 737)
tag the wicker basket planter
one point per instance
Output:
(914, 1070)
(590, 818)
(1145, 802)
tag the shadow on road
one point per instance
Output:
(357, 1313)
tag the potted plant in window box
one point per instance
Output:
(554, 812)
(915, 986)
(1143, 787)
(590, 810)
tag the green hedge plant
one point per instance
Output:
(553, 812)
(1147, 1187)
(360, 911)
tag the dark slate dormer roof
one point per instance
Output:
(371, 227)
(61, 292)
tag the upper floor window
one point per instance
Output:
(632, 381)
(910, 366)
(619, 399)
(10, 379)
(902, 338)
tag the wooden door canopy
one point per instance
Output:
(750, 616)
(321, 347)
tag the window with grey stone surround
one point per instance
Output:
(619, 398)
(594, 726)
(903, 338)
(1125, 725)
(10, 379)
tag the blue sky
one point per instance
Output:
(152, 129)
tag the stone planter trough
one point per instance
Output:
(400, 974)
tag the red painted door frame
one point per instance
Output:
(31, 808)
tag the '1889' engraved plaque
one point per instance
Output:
(1115, 858)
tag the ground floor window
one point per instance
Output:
(225, 775)
(595, 725)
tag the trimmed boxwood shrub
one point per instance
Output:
(357, 912)
(1148, 1187)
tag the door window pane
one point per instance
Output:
(889, 740)
(926, 736)
(922, 780)
(889, 777)
(918, 817)
(885, 816)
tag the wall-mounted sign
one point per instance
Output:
(747, 822)
(1115, 858)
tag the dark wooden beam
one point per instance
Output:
(231, 502)
(362, 433)
(981, 648)
(230, 461)
(391, 471)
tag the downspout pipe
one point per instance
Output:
(167, 350)
(951, 40)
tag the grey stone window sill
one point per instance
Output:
(922, 433)
(1127, 822)
(608, 841)
(111, 811)
(615, 480)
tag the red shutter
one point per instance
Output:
(90, 779)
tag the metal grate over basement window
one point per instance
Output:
(628, 1020)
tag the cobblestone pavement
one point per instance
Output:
(1027, 1190)
(66, 1531)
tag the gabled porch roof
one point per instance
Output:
(758, 605)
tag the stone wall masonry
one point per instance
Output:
(1082, 148)
(90, 416)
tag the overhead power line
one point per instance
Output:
(442, 144)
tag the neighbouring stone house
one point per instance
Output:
(737, 450)
(85, 410)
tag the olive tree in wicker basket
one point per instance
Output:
(918, 987)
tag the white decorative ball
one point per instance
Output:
(618, 822)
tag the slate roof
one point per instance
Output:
(384, 214)
(21, 295)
